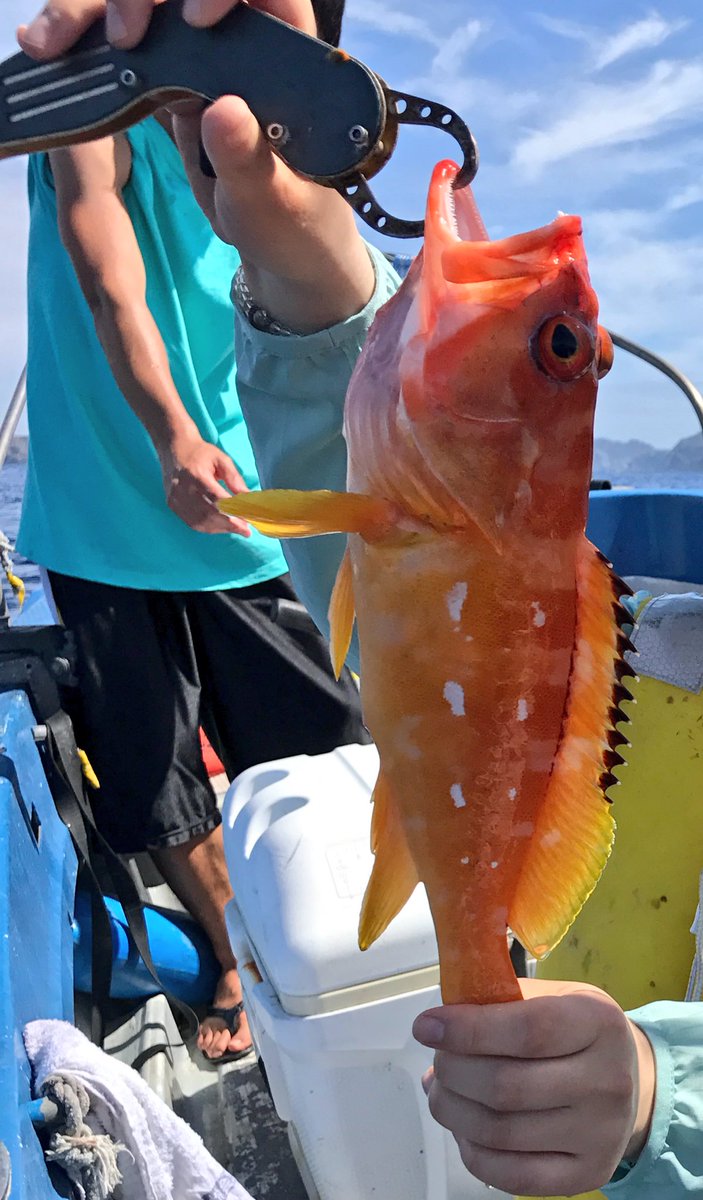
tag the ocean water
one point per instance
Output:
(11, 488)
(12, 485)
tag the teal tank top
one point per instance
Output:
(94, 504)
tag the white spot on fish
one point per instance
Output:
(512, 793)
(500, 520)
(456, 598)
(465, 861)
(454, 695)
(468, 638)
(494, 865)
(457, 795)
(404, 743)
(540, 617)
(522, 710)
(552, 838)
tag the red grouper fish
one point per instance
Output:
(489, 627)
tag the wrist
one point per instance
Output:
(175, 438)
(305, 306)
(647, 1076)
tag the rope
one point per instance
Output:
(88, 1158)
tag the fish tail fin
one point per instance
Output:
(342, 614)
(574, 831)
(394, 876)
(287, 513)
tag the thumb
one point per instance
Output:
(235, 144)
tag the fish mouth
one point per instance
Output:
(505, 270)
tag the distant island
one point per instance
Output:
(633, 462)
(639, 464)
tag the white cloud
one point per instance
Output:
(693, 194)
(452, 52)
(646, 34)
(616, 114)
(607, 48)
(393, 21)
(572, 30)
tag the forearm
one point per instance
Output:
(98, 235)
(139, 363)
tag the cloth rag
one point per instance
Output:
(161, 1157)
(669, 639)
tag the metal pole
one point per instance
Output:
(689, 389)
(12, 416)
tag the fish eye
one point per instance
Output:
(606, 352)
(564, 348)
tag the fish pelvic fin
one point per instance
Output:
(287, 514)
(342, 614)
(394, 876)
(575, 829)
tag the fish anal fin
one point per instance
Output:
(284, 513)
(394, 876)
(341, 614)
(574, 830)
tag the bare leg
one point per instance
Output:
(197, 873)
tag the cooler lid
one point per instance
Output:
(297, 837)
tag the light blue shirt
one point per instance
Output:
(94, 503)
(292, 392)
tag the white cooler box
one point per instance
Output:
(333, 1025)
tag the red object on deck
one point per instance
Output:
(213, 766)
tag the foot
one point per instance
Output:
(214, 1038)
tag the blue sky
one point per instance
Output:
(592, 109)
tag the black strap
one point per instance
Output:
(74, 811)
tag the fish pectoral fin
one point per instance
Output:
(574, 829)
(282, 513)
(394, 876)
(342, 614)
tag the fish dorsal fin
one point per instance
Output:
(283, 513)
(394, 876)
(342, 614)
(574, 830)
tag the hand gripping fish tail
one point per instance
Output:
(492, 653)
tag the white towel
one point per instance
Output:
(166, 1160)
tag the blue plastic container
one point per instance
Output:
(180, 950)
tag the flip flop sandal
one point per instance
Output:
(232, 1018)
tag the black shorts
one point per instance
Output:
(155, 666)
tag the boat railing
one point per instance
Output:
(12, 416)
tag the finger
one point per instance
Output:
(55, 29)
(542, 1027)
(202, 514)
(523, 1132)
(299, 13)
(228, 473)
(202, 13)
(127, 21)
(529, 1174)
(295, 12)
(513, 1084)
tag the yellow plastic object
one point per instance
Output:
(632, 937)
(88, 772)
